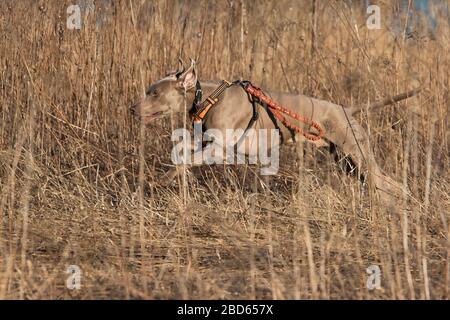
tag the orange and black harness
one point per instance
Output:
(256, 96)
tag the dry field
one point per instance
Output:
(79, 180)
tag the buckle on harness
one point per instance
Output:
(200, 109)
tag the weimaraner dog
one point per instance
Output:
(234, 109)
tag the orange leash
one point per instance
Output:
(277, 111)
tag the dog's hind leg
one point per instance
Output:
(350, 137)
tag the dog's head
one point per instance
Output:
(166, 95)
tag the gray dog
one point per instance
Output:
(234, 109)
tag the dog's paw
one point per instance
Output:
(168, 179)
(166, 183)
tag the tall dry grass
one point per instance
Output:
(79, 179)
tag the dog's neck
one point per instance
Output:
(207, 88)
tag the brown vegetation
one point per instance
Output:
(78, 188)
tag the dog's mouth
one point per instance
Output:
(154, 116)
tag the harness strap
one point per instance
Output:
(200, 109)
(252, 121)
(274, 110)
(278, 112)
(197, 103)
(198, 94)
(255, 101)
(274, 120)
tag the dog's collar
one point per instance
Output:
(198, 96)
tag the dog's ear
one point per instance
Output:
(181, 68)
(178, 72)
(188, 79)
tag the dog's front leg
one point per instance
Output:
(212, 153)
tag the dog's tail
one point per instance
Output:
(387, 101)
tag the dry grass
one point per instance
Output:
(78, 187)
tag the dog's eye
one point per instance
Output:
(152, 92)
